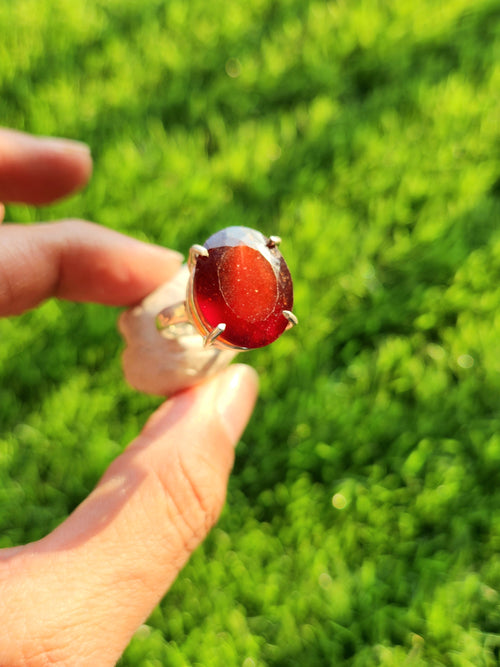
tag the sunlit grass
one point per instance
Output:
(362, 523)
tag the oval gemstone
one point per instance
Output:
(245, 284)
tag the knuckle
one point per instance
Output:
(195, 495)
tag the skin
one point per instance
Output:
(76, 596)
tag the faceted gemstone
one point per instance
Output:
(245, 283)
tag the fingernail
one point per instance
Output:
(66, 145)
(237, 390)
(164, 253)
(155, 251)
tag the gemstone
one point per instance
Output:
(245, 284)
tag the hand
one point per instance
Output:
(110, 562)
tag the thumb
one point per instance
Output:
(112, 560)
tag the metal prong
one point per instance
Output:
(292, 319)
(215, 333)
(196, 251)
(273, 241)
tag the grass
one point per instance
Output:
(362, 525)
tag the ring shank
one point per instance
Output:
(174, 314)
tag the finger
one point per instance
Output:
(38, 170)
(80, 261)
(108, 565)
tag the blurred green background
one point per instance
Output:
(362, 525)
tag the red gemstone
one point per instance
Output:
(245, 283)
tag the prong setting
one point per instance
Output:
(196, 251)
(274, 241)
(210, 338)
(291, 318)
(239, 296)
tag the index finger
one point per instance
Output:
(79, 261)
(38, 170)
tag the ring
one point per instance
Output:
(235, 293)
(239, 292)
